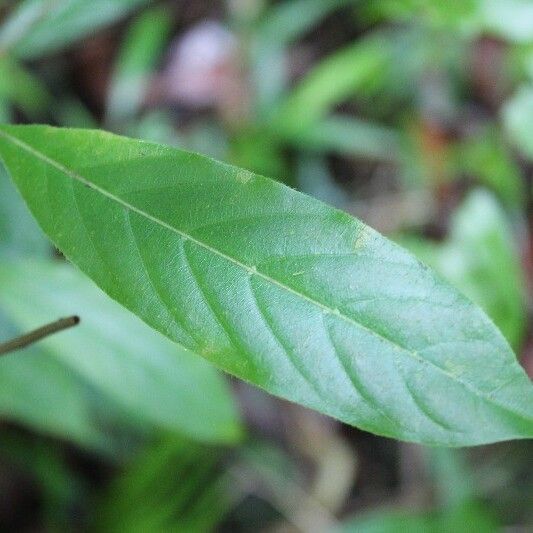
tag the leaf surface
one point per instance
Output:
(481, 260)
(35, 389)
(157, 383)
(19, 233)
(273, 286)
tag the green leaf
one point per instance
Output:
(285, 22)
(141, 49)
(36, 387)
(483, 261)
(5, 111)
(281, 25)
(19, 233)
(59, 23)
(20, 21)
(390, 521)
(470, 517)
(174, 485)
(511, 20)
(49, 469)
(273, 286)
(450, 15)
(480, 259)
(333, 80)
(314, 178)
(72, 113)
(350, 136)
(457, 508)
(154, 380)
(517, 118)
(35, 390)
(453, 480)
(485, 157)
(22, 89)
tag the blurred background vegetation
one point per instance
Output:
(414, 115)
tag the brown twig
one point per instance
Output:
(38, 334)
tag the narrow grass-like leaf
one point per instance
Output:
(58, 23)
(346, 135)
(282, 24)
(273, 286)
(336, 78)
(139, 53)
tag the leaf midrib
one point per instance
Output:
(251, 270)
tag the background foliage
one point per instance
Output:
(414, 115)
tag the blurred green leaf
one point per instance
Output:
(140, 50)
(314, 178)
(456, 509)
(71, 113)
(21, 21)
(481, 260)
(59, 23)
(510, 19)
(487, 159)
(155, 126)
(282, 24)
(143, 372)
(207, 137)
(468, 517)
(62, 488)
(22, 89)
(39, 391)
(348, 136)
(269, 284)
(5, 111)
(518, 119)
(391, 521)
(258, 150)
(450, 14)
(453, 480)
(460, 510)
(19, 233)
(471, 517)
(286, 21)
(174, 485)
(333, 80)
(419, 76)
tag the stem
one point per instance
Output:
(38, 334)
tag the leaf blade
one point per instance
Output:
(145, 375)
(55, 25)
(280, 290)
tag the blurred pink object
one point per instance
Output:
(204, 69)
